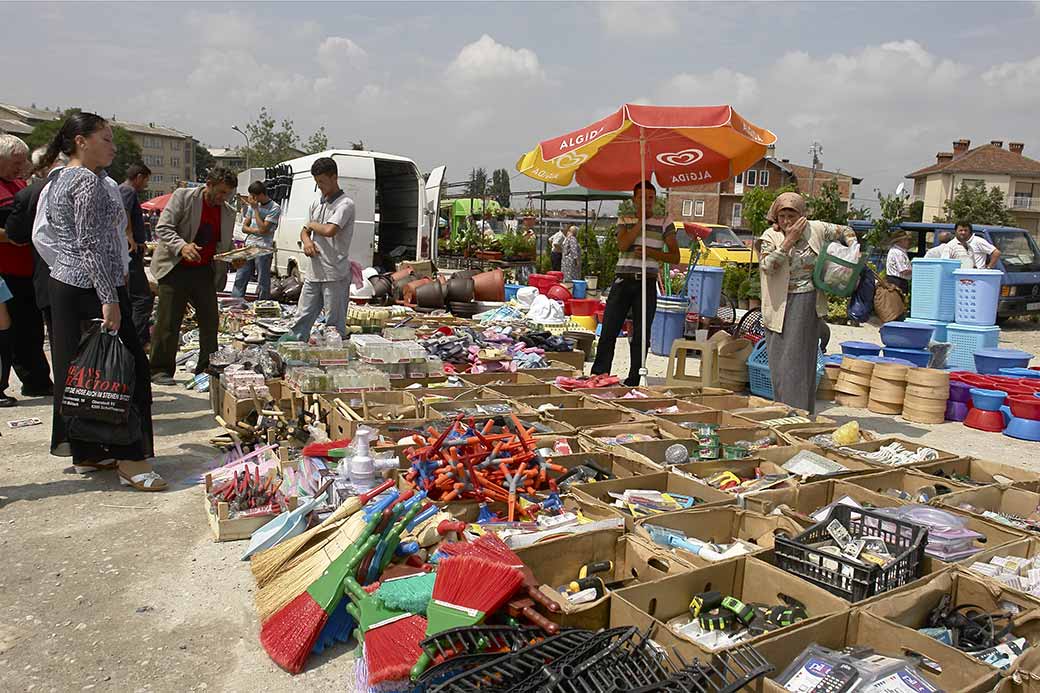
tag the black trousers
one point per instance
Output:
(184, 285)
(141, 299)
(623, 302)
(556, 261)
(24, 349)
(72, 310)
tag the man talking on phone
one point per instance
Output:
(196, 224)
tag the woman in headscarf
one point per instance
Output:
(571, 263)
(791, 305)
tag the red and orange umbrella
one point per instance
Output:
(678, 145)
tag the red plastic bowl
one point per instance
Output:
(555, 274)
(1025, 406)
(982, 420)
(586, 306)
(558, 292)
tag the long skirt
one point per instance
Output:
(73, 308)
(793, 353)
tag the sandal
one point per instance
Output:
(87, 467)
(140, 476)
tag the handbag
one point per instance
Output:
(888, 302)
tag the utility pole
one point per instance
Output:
(816, 149)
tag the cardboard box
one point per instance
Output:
(573, 359)
(583, 419)
(858, 627)
(911, 606)
(806, 499)
(746, 468)
(747, 579)
(983, 472)
(621, 467)
(908, 480)
(555, 370)
(649, 406)
(447, 408)
(666, 482)
(720, 526)
(875, 445)
(730, 402)
(782, 454)
(234, 410)
(563, 401)
(723, 420)
(653, 451)
(405, 383)
(764, 415)
(804, 435)
(492, 379)
(556, 562)
(1012, 501)
(535, 390)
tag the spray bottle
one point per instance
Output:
(362, 468)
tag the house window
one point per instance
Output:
(698, 208)
(687, 208)
(738, 210)
(740, 178)
(158, 161)
(763, 177)
(973, 182)
(175, 161)
(157, 178)
(751, 177)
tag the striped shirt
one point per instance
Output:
(631, 261)
(88, 224)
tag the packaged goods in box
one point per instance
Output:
(582, 419)
(908, 485)
(893, 451)
(1014, 507)
(737, 476)
(652, 494)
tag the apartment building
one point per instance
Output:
(168, 152)
(1017, 176)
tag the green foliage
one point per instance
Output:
(859, 213)
(827, 206)
(916, 211)
(892, 207)
(544, 263)
(500, 186)
(204, 161)
(733, 277)
(515, 244)
(589, 245)
(756, 203)
(972, 203)
(477, 185)
(271, 142)
(608, 257)
(625, 208)
(837, 308)
(127, 151)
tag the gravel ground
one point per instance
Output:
(103, 588)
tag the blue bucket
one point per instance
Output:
(511, 290)
(578, 288)
(704, 290)
(669, 324)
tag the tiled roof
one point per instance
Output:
(36, 114)
(989, 158)
(16, 127)
(805, 171)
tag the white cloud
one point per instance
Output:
(721, 86)
(638, 19)
(337, 54)
(486, 60)
(1017, 81)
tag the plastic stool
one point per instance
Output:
(681, 349)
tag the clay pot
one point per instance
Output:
(400, 275)
(459, 289)
(409, 289)
(489, 286)
(463, 309)
(381, 285)
(429, 295)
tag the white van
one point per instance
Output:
(395, 209)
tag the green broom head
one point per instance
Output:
(411, 593)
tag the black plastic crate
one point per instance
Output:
(844, 577)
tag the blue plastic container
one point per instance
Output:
(906, 335)
(858, 349)
(932, 291)
(1023, 429)
(966, 340)
(978, 291)
(918, 357)
(939, 335)
(1020, 372)
(511, 290)
(669, 324)
(991, 361)
(759, 382)
(578, 288)
(987, 400)
(704, 290)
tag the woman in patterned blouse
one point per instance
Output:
(88, 284)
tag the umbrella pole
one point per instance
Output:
(642, 294)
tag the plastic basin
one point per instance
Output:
(990, 361)
(983, 420)
(987, 400)
(918, 357)
(1023, 429)
(860, 349)
(957, 411)
(586, 306)
(906, 335)
(1025, 406)
(1020, 373)
(960, 392)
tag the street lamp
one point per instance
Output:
(239, 131)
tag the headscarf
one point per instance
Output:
(787, 200)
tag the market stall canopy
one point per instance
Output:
(157, 204)
(578, 193)
(471, 205)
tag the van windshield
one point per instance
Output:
(1017, 249)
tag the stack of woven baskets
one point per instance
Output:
(853, 383)
(927, 392)
(826, 390)
(733, 368)
(887, 388)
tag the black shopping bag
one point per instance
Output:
(99, 384)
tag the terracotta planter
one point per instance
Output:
(381, 285)
(429, 295)
(489, 286)
(409, 289)
(742, 304)
(529, 222)
(489, 255)
(754, 303)
(400, 275)
(459, 290)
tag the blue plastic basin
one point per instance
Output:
(987, 400)
(918, 357)
(860, 349)
(990, 361)
(906, 335)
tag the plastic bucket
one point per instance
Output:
(580, 286)
(704, 290)
(511, 290)
(978, 291)
(669, 324)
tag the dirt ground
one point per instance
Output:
(103, 588)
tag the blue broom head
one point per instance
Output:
(338, 628)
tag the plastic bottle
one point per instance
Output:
(362, 467)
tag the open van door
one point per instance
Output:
(432, 212)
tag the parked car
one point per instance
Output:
(716, 245)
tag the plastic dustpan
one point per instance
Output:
(285, 526)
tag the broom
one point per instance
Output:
(266, 564)
(466, 590)
(490, 546)
(411, 593)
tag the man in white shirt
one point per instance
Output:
(940, 251)
(897, 264)
(973, 251)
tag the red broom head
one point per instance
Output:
(323, 449)
(476, 583)
(493, 548)
(289, 635)
(392, 648)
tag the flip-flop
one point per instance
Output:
(88, 467)
(140, 476)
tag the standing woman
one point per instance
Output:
(571, 255)
(791, 305)
(88, 283)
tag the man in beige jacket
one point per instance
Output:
(196, 224)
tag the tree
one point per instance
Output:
(973, 204)
(204, 161)
(478, 183)
(756, 203)
(127, 150)
(500, 186)
(916, 211)
(860, 213)
(318, 142)
(892, 208)
(271, 142)
(827, 206)
(625, 208)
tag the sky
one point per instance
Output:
(882, 86)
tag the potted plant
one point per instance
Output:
(754, 293)
(742, 294)
(529, 218)
(523, 247)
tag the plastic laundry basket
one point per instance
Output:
(933, 292)
(669, 324)
(704, 290)
(966, 340)
(759, 381)
(978, 291)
